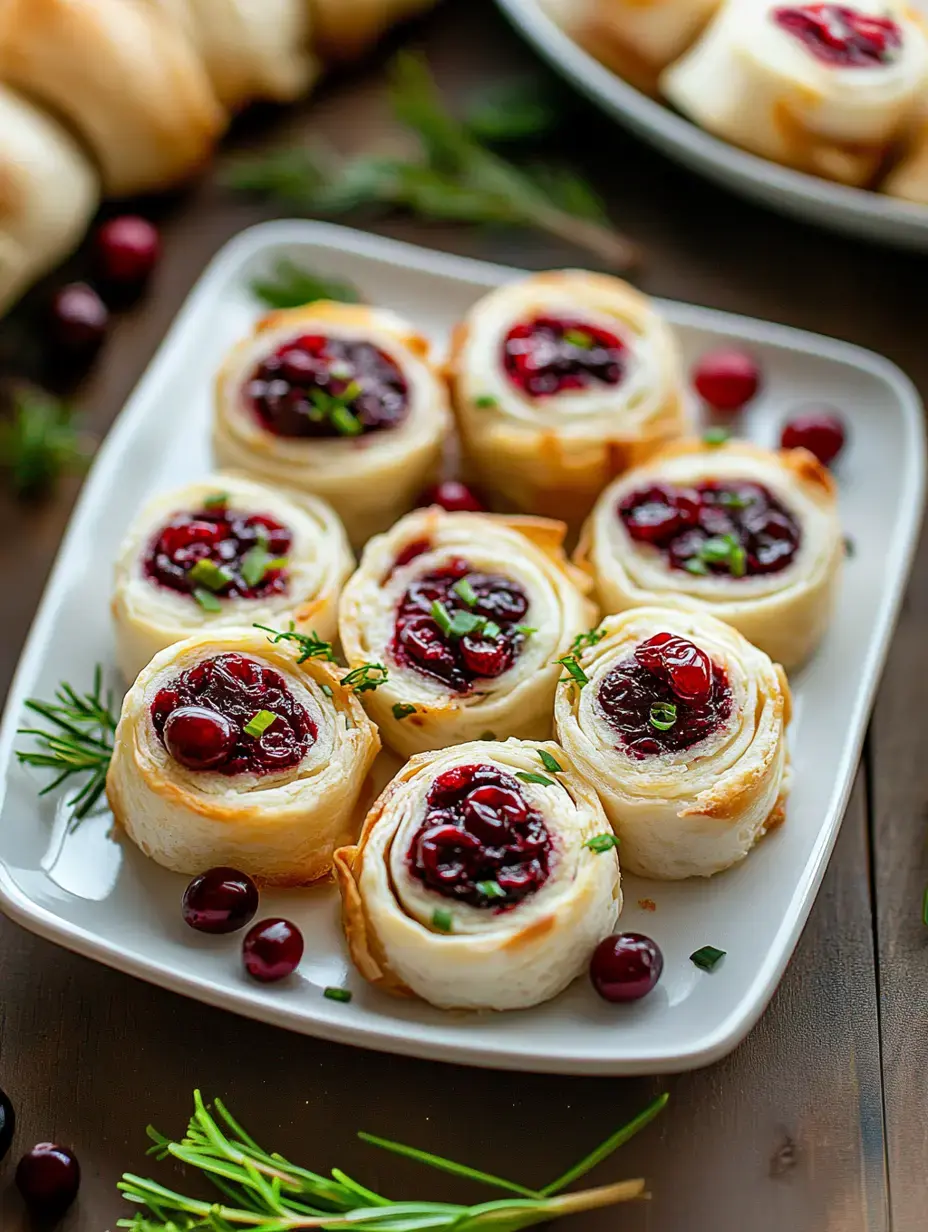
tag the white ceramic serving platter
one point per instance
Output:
(852, 210)
(97, 894)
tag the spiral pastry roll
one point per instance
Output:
(824, 88)
(221, 553)
(559, 382)
(229, 751)
(747, 534)
(339, 400)
(468, 613)
(681, 725)
(483, 879)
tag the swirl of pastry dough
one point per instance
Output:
(747, 534)
(231, 752)
(339, 400)
(681, 726)
(474, 884)
(469, 613)
(225, 552)
(560, 381)
(825, 88)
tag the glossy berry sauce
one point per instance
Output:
(201, 716)
(479, 833)
(292, 388)
(550, 355)
(842, 36)
(663, 670)
(420, 642)
(224, 537)
(680, 521)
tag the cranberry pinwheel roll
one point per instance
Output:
(484, 878)
(681, 725)
(559, 382)
(338, 400)
(226, 552)
(468, 613)
(745, 534)
(229, 751)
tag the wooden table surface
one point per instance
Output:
(816, 1123)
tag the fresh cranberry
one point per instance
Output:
(127, 250)
(272, 950)
(480, 841)
(550, 355)
(48, 1177)
(453, 496)
(843, 36)
(80, 319)
(686, 668)
(7, 1123)
(232, 541)
(626, 967)
(199, 738)
(221, 900)
(726, 379)
(821, 432)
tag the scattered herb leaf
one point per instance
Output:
(207, 573)
(602, 842)
(707, 958)
(713, 437)
(310, 644)
(490, 889)
(366, 678)
(574, 671)
(327, 690)
(583, 640)
(850, 547)
(512, 111)
(529, 776)
(465, 591)
(402, 710)
(337, 994)
(216, 500)
(579, 338)
(549, 762)
(206, 599)
(258, 724)
(663, 715)
(486, 402)
(292, 286)
(41, 441)
(441, 919)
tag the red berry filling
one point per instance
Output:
(842, 36)
(665, 697)
(481, 841)
(552, 356)
(202, 715)
(243, 547)
(735, 528)
(459, 625)
(328, 387)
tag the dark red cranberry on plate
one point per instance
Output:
(272, 950)
(221, 900)
(822, 432)
(79, 320)
(726, 379)
(7, 1123)
(198, 738)
(626, 967)
(48, 1177)
(127, 250)
(453, 496)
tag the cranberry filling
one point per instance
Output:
(202, 714)
(327, 387)
(549, 355)
(481, 841)
(492, 605)
(665, 697)
(836, 34)
(739, 528)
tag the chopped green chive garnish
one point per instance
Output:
(850, 547)
(344, 422)
(258, 724)
(549, 762)
(529, 776)
(207, 573)
(583, 640)
(663, 715)
(485, 402)
(527, 630)
(337, 994)
(463, 623)
(574, 671)
(719, 550)
(491, 630)
(402, 710)
(465, 591)
(707, 958)
(258, 562)
(601, 842)
(579, 338)
(490, 889)
(366, 678)
(206, 599)
(216, 500)
(696, 566)
(715, 437)
(327, 690)
(441, 919)
(731, 500)
(442, 617)
(311, 646)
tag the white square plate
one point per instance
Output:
(98, 895)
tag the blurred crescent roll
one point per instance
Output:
(909, 177)
(345, 29)
(48, 193)
(124, 77)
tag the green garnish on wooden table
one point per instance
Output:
(292, 286)
(40, 441)
(311, 645)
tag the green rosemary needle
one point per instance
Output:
(311, 646)
(41, 441)
(292, 286)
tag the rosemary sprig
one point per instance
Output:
(292, 286)
(41, 441)
(267, 1193)
(453, 177)
(367, 678)
(78, 740)
(311, 646)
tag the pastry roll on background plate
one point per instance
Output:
(560, 381)
(468, 613)
(473, 885)
(746, 534)
(824, 88)
(230, 752)
(226, 552)
(339, 400)
(680, 723)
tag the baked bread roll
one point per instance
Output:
(473, 885)
(48, 194)
(560, 382)
(468, 613)
(230, 752)
(345, 29)
(746, 534)
(681, 727)
(222, 553)
(339, 400)
(123, 76)
(824, 88)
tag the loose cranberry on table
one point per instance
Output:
(7, 1123)
(221, 900)
(48, 1177)
(272, 950)
(80, 319)
(726, 379)
(127, 250)
(821, 432)
(626, 967)
(453, 496)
